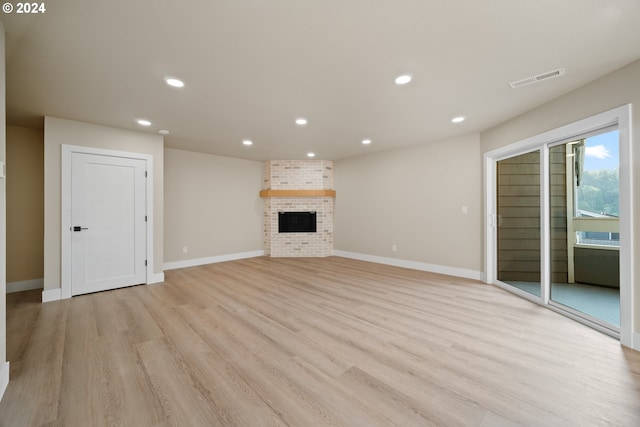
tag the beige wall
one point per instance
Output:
(212, 205)
(613, 90)
(3, 207)
(413, 197)
(58, 132)
(25, 203)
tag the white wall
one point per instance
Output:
(613, 90)
(58, 132)
(212, 206)
(413, 198)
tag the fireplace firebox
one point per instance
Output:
(297, 222)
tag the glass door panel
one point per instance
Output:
(518, 231)
(585, 240)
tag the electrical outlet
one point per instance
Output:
(394, 247)
(185, 249)
(465, 210)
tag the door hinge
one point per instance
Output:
(145, 262)
(145, 174)
(145, 218)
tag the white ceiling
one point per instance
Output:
(252, 66)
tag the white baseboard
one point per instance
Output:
(414, 265)
(4, 378)
(211, 260)
(25, 285)
(636, 341)
(155, 278)
(56, 294)
(51, 295)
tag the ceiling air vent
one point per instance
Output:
(537, 78)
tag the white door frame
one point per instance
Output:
(65, 255)
(620, 116)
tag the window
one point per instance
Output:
(596, 185)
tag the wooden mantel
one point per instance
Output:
(298, 193)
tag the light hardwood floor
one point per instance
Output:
(310, 342)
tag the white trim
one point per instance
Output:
(582, 317)
(491, 220)
(564, 133)
(545, 225)
(25, 285)
(155, 278)
(4, 378)
(211, 260)
(636, 341)
(414, 265)
(65, 207)
(49, 295)
(627, 315)
(150, 272)
(514, 290)
(622, 117)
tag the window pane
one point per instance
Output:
(597, 188)
(584, 228)
(518, 180)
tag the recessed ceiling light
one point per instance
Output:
(366, 141)
(247, 142)
(163, 132)
(301, 121)
(311, 154)
(172, 81)
(143, 122)
(458, 119)
(403, 79)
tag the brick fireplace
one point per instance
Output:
(298, 186)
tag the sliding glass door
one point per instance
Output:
(518, 222)
(585, 227)
(559, 220)
(582, 213)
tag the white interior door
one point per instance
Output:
(108, 229)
